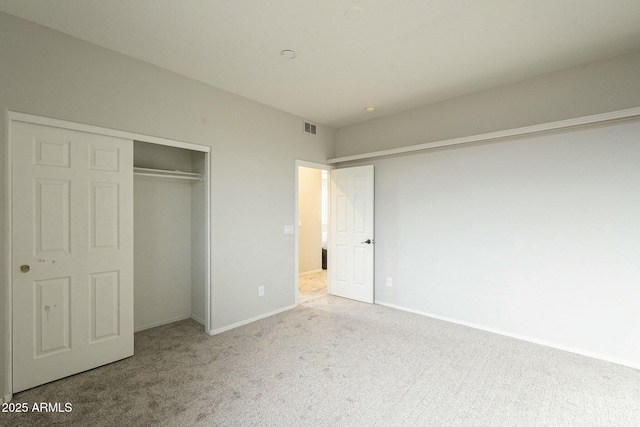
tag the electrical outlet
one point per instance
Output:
(260, 291)
(389, 282)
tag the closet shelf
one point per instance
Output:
(160, 173)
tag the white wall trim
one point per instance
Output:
(306, 164)
(208, 294)
(163, 322)
(30, 118)
(630, 113)
(7, 381)
(251, 320)
(197, 319)
(516, 336)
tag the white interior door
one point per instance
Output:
(351, 239)
(72, 252)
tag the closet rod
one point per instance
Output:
(159, 173)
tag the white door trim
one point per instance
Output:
(303, 163)
(30, 118)
(7, 381)
(11, 117)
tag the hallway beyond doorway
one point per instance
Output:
(311, 285)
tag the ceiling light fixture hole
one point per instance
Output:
(288, 53)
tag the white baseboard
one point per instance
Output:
(7, 398)
(516, 336)
(160, 323)
(253, 319)
(197, 319)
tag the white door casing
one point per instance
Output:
(72, 210)
(351, 237)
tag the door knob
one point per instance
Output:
(24, 268)
(368, 241)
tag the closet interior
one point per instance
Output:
(169, 235)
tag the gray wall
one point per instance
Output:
(535, 237)
(594, 88)
(162, 251)
(254, 148)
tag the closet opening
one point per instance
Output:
(170, 235)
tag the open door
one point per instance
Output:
(72, 252)
(351, 239)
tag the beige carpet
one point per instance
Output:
(335, 362)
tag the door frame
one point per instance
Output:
(296, 231)
(11, 117)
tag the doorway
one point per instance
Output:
(312, 230)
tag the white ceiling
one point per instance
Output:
(399, 55)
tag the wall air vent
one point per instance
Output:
(309, 128)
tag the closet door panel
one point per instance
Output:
(72, 252)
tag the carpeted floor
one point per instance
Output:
(336, 362)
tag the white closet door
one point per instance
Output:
(72, 258)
